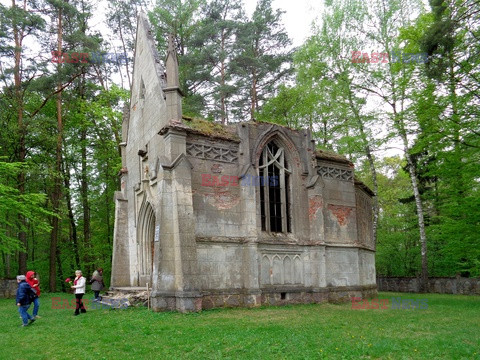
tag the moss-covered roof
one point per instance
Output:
(205, 128)
(229, 132)
(331, 156)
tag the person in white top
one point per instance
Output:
(79, 286)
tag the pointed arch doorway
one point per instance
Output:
(145, 236)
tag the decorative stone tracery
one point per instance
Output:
(335, 173)
(281, 269)
(208, 152)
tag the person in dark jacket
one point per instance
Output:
(23, 299)
(97, 283)
(35, 285)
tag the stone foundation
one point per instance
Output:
(276, 297)
(8, 288)
(178, 301)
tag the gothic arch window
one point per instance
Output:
(274, 189)
(145, 242)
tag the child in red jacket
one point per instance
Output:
(35, 285)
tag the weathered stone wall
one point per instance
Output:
(207, 246)
(8, 288)
(342, 266)
(120, 259)
(364, 218)
(219, 211)
(441, 285)
(227, 218)
(339, 203)
(366, 264)
(220, 266)
(289, 266)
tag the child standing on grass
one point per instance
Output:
(35, 285)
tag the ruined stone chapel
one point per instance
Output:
(200, 220)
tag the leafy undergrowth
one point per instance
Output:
(448, 329)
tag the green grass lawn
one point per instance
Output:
(448, 329)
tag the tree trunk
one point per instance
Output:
(398, 95)
(416, 193)
(222, 95)
(418, 200)
(400, 126)
(84, 195)
(107, 219)
(127, 66)
(18, 34)
(60, 271)
(222, 82)
(254, 96)
(73, 225)
(8, 271)
(421, 223)
(373, 172)
(33, 243)
(57, 172)
(325, 140)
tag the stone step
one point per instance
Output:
(110, 303)
(128, 289)
(134, 296)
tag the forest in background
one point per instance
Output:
(353, 82)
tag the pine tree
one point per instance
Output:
(122, 19)
(18, 23)
(264, 59)
(213, 50)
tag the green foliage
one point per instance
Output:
(229, 65)
(289, 107)
(397, 246)
(435, 119)
(214, 49)
(99, 119)
(90, 157)
(13, 204)
(182, 19)
(448, 144)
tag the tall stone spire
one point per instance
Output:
(172, 90)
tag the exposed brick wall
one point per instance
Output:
(440, 285)
(342, 213)
(314, 204)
